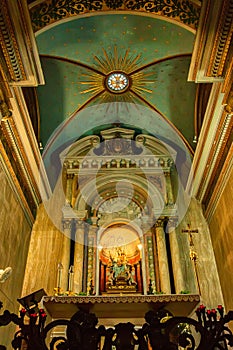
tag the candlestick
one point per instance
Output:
(59, 276)
(71, 278)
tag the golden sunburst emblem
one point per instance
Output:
(119, 75)
(117, 82)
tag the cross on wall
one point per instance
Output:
(193, 253)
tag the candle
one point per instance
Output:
(71, 278)
(59, 275)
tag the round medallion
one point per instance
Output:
(117, 82)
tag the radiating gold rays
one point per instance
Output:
(112, 62)
(139, 82)
(95, 82)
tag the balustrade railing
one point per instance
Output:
(161, 331)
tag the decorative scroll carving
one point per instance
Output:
(132, 299)
(222, 42)
(8, 44)
(50, 11)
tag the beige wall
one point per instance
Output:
(45, 252)
(15, 235)
(221, 228)
(206, 267)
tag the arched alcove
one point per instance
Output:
(120, 260)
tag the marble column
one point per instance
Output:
(170, 198)
(65, 257)
(69, 181)
(164, 274)
(78, 256)
(74, 189)
(148, 254)
(92, 263)
(177, 267)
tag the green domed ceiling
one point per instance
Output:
(78, 54)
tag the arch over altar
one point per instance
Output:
(121, 189)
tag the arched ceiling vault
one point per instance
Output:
(78, 57)
(48, 12)
(70, 40)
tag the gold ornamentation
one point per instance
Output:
(9, 45)
(6, 163)
(4, 110)
(117, 82)
(222, 42)
(16, 152)
(118, 74)
(229, 105)
(49, 11)
(135, 299)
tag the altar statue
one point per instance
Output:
(120, 273)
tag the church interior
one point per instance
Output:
(116, 158)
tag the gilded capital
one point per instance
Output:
(159, 223)
(66, 224)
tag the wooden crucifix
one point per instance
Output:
(193, 253)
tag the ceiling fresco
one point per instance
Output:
(47, 12)
(77, 57)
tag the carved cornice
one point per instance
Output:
(212, 52)
(9, 45)
(222, 41)
(18, 45)
(48, 12)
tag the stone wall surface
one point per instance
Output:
(222, 238)
(45, 253)
(15, 235)
(206, 267)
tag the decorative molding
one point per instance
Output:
(222, 41)
(214, 157)
(15, 185)
(220, 186)
(135, 299)
(9, 45)
(18, 152)
(27, 139)
(18, 44)
(211, 51)
(206, 140)
(50, 11)
(4, 109)
(229, 103)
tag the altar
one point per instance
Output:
(113, 309)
